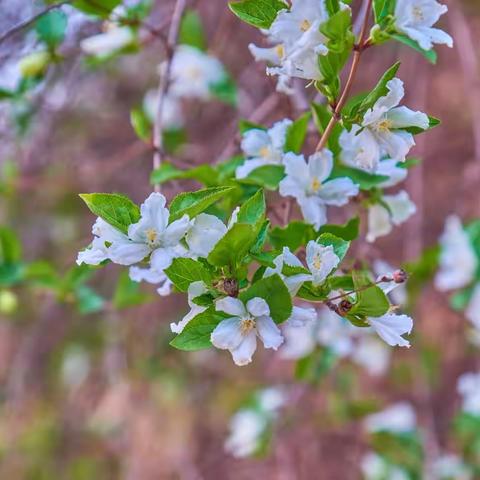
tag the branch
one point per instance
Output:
(26, 23)
(165, 82)
(359, 48)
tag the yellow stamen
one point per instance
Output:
(305, 25)
(316, 185)
(264, 152)
(417, 13)
(280, 50)
(151, 235)
(247, 325)
(317, 262)
(384, 125)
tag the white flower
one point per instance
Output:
(105, 44)
(381, 221)
(458, 261)
(451, 467)
(360, 150)
(415, 18)
(104, 236)
(271, 399)
(246, 429)
(473, 309)
(195, 289)
(172, 117)
(299, 340)
(391, 327)
(193, 73)
(383, 130)
(321, 261)
(263, 147)
(335, 333)
(206, 231)
(292, 282)
(301, 316)
(372, 355)
(151, 275)
(375, 467)
(75, 366)
(239, 332)
(309, 185)
(398, 418)
(298, 32)
(152, 235)
(468, 386)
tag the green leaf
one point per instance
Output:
(226, 170)
(141, 124)
(371, 301)
(267, 176)
(379, 91)
(127, 293)
(383, 8)
(10, 247)
(296, 134)
(193, 203)
(293, 236)
(173, 139)
(51, 27)
(365, 180)
(246, 125)
(88, 301)
(340, 246)
(430, 55)
(117, 210)
(459, 300)
(261, 237)
(348, 231)
(275, 293)
(197, 332)
(225, 91)
(205, 174)
(259, 13)
(100, 8)
(191, 31)
(253, 210)
(432, 122)
(184, 271)
(233, 247)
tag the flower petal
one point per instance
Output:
(227, 334)
(268, 332)
(231, 306)
(207, 230)
(390, 328)
(242, 354)
(257, 307)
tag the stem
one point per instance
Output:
(165, 83)
(359, 48)
(26, 23)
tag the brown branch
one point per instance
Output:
(26, 23)
(165, 82)
(359, 48)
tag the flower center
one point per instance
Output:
(264, 152)
(280, 50)
(305, 25)
(194, 73)
(152, 236)
(316, 185)
(384, 125)
(417, 13)
(317, 262)
(248, 324)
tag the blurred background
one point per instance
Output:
(90, 388)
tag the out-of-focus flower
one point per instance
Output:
(375, 467)
(172, 117)
(473, 309)
(105, 44)
(458, 261)
(451, 467)
(308, 183)
(468, 386)
(75, 367)
(238, 334)
(398, 418)
(194, 73)
(415, 19)
(372, 355)
(381, 220)
(263, 147)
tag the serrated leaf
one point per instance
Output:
(259, 13)
(184, 271)
(275, 293)
(193, 203)
(196, 334)
(253, 210)
(117, 210)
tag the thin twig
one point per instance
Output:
(359, 48)
(26, 23)
(165, 82)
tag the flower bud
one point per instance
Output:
(230, 287)
(399, 276)
(34, 64)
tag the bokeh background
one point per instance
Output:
(92, 391)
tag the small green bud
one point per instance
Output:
(8, 302)
(34, 64)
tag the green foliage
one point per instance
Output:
(117, 210)
(340, 246)
(51, 27)
(253, 210)
(141, 124)
(99, 8)
(430, 55)
(267, 176)
(314, 367)
(204, 174)
(191, 31)
(197, 332)
(348, 231)
(225, 91)
(382, 9)
(365, 180)
(294, 235)
(296, 134)
(127, 293)
(259, 13)
(275, 293)
(11, 268)
(183, 271)
(193, 203)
